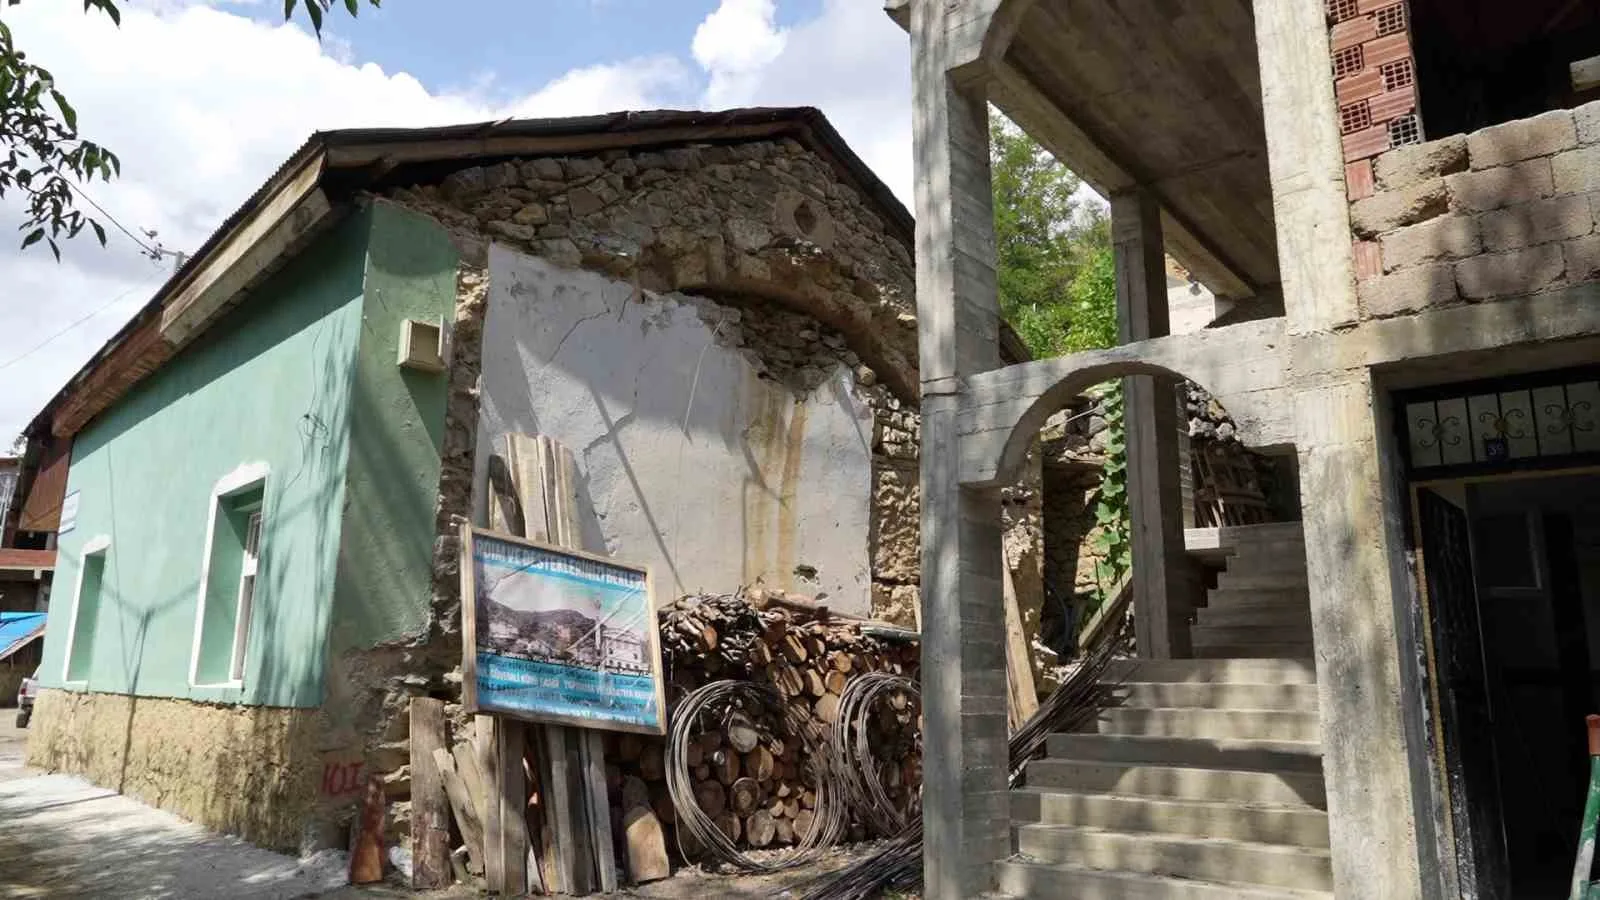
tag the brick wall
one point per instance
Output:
(1508, 210)
(1375, 80)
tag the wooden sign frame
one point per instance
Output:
(469, 617)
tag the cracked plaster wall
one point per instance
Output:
(700, 455)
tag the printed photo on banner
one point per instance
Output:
(559, 636)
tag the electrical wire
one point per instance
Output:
(51, 339)
(152, 252)
(710, 707)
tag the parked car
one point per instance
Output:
(25, 695)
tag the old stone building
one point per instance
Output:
(269, 466)
(1395, 207)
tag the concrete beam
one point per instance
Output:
(1162, 576)
(966, 814)
(1242, 365)
(978, 31)
(1091, 159)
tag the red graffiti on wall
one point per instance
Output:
(342, 779)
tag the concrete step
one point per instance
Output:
(1212, 671)
(1225, 695)
(1298, 633)
(1283, 598)
(1227, 616)
(1268, 558)
(1043, 881)
(1294, 651)
(1179, 782)
(1199, 752)
(1216, 724)
(1230, 580)
(1297, 826)
(1183, 856)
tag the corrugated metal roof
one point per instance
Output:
(18, 630)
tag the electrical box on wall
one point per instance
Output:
(424, 346)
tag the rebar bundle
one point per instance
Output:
(861, 763)
(714, 706)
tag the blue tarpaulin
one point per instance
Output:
(18, 629)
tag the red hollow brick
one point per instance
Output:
(1392, 104)
(1386, 49)
(1358, 180)
(1369, 259)
(1356, 31)
(1369, 83)
(1366, 143)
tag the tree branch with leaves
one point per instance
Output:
(42, 155)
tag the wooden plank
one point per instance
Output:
(430, 809)
(1022, 695)
(512, 798)
(463, 804)
(486, 744)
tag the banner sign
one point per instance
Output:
(559, 636)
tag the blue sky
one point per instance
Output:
(203, 99)
(447, 50)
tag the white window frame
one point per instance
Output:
(243, 478)
(95, 546)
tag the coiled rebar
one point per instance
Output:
(714, 703)
(859, 779)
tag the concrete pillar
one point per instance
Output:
(965, 812)
(1371, 805)
(1163, 585)
(1373, 787)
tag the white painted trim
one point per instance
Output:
(96, 545)
(246, 475)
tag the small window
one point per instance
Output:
(86, 612)
(229, 582)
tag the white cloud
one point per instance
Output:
(202, 106)
(733, 45)
(851, 61)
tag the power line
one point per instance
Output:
(149, 251)
(51, 339)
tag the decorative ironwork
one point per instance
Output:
(1531, 420)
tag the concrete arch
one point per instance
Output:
(1241, 365)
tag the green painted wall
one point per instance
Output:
(272, 383)
(397, 434)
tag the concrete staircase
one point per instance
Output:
(1204, 781)
(1261, 606)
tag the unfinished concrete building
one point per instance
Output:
(1396, 202)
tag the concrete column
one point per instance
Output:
(1373, 785)
(1162, 582)
(965, 812)
(1371, 806)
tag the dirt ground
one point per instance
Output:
(61, 837)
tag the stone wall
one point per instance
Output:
(1505, 211)
(254, 771)
(763, 227)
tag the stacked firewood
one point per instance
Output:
(753, 775)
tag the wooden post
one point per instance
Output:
(1022, 696)
(430, 807)
(1162, 584)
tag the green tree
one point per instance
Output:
(41, 152)
(1056, 277)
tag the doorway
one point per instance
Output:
(1510, 571)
